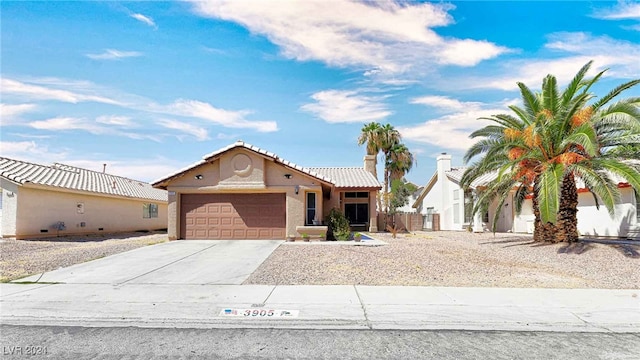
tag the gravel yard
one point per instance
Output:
(454, 259)
(20, 258)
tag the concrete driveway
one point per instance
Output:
(192, 262)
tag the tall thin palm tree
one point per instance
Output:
(389, 138)
(371, 135)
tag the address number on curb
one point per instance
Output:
(259, 313)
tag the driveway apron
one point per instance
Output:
(177, 262)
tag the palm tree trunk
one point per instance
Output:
(567, 223)
(542, 232)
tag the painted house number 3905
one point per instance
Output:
(257, 312)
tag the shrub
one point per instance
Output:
(338, 224)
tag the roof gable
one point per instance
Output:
(78, 179)
(340, 177)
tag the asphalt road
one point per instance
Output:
(149, 343)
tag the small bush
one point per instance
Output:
(338, 225)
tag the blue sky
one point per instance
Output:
(149, 87)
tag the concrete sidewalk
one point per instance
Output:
(320, 307)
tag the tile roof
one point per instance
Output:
(351, 177)
(455, 174)
(74, 178)
(345, 177)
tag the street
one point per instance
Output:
(168, 343)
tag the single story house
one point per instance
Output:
(55, 200)
(244, 192)
(443, 196)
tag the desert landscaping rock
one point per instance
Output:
(20, 258)
(453, 259)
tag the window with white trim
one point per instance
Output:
(311, 208)
(149, 211)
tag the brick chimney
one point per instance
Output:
(370, 163)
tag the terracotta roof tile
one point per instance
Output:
(74, 178)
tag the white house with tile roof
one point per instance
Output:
(443, 195)
(244, 192)
(56, 200)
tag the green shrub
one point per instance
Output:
(338, 224)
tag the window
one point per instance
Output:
(357, 195)
(456, 213)
(456, 194)
(149, 211)
(311, 208)
(637, 206)
(357, 213)
(468, 207)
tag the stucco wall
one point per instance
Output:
(39, 210)
(227, 174)
(10, 193)
(440, 197)
(593, 221)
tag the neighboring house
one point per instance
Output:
(43, 201)
(443, 196)
(244, 192)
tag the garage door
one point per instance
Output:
(233, 216)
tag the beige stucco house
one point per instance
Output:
(244, 192)
(56, 200)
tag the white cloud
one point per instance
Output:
(343, 106)
(578, 48)
(116, 120)
(205, 111)
(452, 131)
(112, 54)
(144, 19)
(30, 91)
(68, 123)
(10, 112)
(621, 11)
(81, 91)
(387, 36)
(198, 132)
(28, 151)
(444, 103)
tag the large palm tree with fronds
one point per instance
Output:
(389, 139)
(371, 136)
(553, 138)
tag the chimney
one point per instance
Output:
(104, 168)
(370, 163)
(444, 164)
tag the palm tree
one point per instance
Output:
(397, 165)
(371, 135)
(389, 139)
(555, 137)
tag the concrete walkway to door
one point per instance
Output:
(188, 262)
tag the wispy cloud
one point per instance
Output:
(30, 91)
(383, 38)
(112, 54)
(574, 49)
(10, 112)
(623, 10)
(451, 131)
(346, 106)
(68, 123)
(200, 133)
(29, 151)
(144, 19)
(117, 120)
(72, 91)
(445, 103)
(206, 111)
